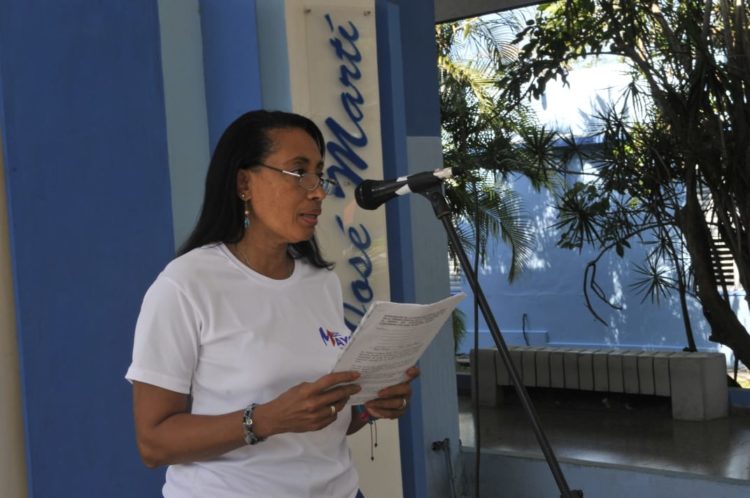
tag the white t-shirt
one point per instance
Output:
(211, 327)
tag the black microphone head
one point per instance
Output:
(364, 197)
(370, 194)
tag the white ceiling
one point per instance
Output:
(450, 10)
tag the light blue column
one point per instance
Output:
(274, 58)
(426, 262)
(398, 216)
(185, 109)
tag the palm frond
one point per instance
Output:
(655, 281)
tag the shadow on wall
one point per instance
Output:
(548, 297)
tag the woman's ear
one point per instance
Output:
(244, 179)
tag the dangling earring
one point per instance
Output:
(246, 222)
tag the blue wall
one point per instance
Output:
(90, 221)
(422, 105)
(550, 293)
(230, 62)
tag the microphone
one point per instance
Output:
(370, 194)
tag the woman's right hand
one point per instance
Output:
(309, 406)
(168, 433)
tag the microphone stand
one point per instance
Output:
(442, 212)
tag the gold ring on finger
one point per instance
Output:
(333, 410)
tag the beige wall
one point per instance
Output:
(12, 452)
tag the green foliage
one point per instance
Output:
(581, 212)
(480, 135)
(495, 208)
(652, 281)
(676, 173)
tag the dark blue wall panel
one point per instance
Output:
(230, 62)
(89, 199)
(398, 214)
(420, 67)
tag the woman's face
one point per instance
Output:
(281, 210)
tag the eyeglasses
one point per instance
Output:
(308, 181)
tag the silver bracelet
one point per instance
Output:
(247, 426)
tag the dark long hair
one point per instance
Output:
(243, 145)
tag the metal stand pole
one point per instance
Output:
(442, 212)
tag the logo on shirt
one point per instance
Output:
(331, 338)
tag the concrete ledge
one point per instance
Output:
(695, 382)
(488, 391)
(698, 386)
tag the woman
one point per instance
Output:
(229, 372)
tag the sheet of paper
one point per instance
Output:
(390, 338)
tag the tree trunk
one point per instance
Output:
(725, 326)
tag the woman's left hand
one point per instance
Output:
(393, 401)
